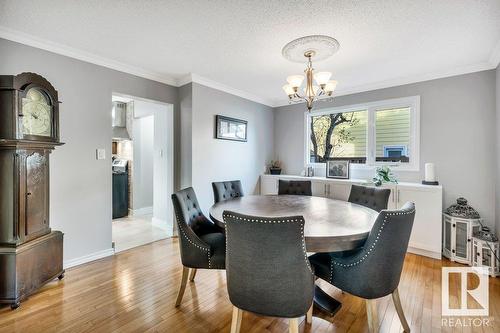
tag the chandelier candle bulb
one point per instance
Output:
(330, 86)
(289, 90)
(295, 80)
(322, 78)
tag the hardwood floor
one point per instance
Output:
(135, 291)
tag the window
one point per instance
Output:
(345, 131)
(392, 135)
(378, 133)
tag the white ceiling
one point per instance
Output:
(236, 44)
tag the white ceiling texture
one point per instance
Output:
(235, 45)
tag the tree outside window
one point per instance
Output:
(338, 135)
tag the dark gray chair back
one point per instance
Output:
(374, 271)
(267, 268)
(298, 187)
(371, 197)
(192, 225)
(227, 190)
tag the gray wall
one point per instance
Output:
(497, 203)
(218, 160)
(81, 185)
(457, 133)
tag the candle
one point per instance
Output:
(430, 172)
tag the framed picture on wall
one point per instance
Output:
(337, 169)
(227, 128)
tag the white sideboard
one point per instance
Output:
(426, 233)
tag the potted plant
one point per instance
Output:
(384, 175)
(275, 167)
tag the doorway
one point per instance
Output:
(142, 171)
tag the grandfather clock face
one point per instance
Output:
(37, 113)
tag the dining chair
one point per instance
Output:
(297, 187)
(227, 190)
(267, 269)
(374, 270)
(371, 197)
(202, 244)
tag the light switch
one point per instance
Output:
(101, 154)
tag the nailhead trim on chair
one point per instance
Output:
(195, 245)
(274, 222)
(372, 248)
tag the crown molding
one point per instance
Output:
(44, 44)
(495, 55)
(406, 80)
(185, 80)
(222, 87)
(30, 40)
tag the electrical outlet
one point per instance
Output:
(101, 154)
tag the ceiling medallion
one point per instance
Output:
(303, 49)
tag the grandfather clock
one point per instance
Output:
(31, 254)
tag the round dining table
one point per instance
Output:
(330, 225)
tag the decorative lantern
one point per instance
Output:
(460, 223)
(486, 251)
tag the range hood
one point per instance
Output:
(119, 115)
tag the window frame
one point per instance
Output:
(411, 102)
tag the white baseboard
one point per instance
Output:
(163, 225)
(88, 258)
(142, 211)
(425, 253)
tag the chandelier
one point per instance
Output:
(306, 48)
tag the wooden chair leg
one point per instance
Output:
(185, 273)
(293, 325)
(192, 275)
(309, 315)
(236, 320)
(371, 312)
(399, 310)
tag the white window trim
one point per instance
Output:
(412, 102)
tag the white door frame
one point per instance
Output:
(168, 154)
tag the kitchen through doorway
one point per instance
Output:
(142, 171)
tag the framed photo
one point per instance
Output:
(230, 128)
(337, 169)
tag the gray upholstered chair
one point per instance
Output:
(371, 197)
(298, 187)
(267, 268)
(227, 190)
(374, 270)
(202, 244)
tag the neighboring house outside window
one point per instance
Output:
(377, 133)
(395, 151)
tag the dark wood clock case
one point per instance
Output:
(31, 254)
